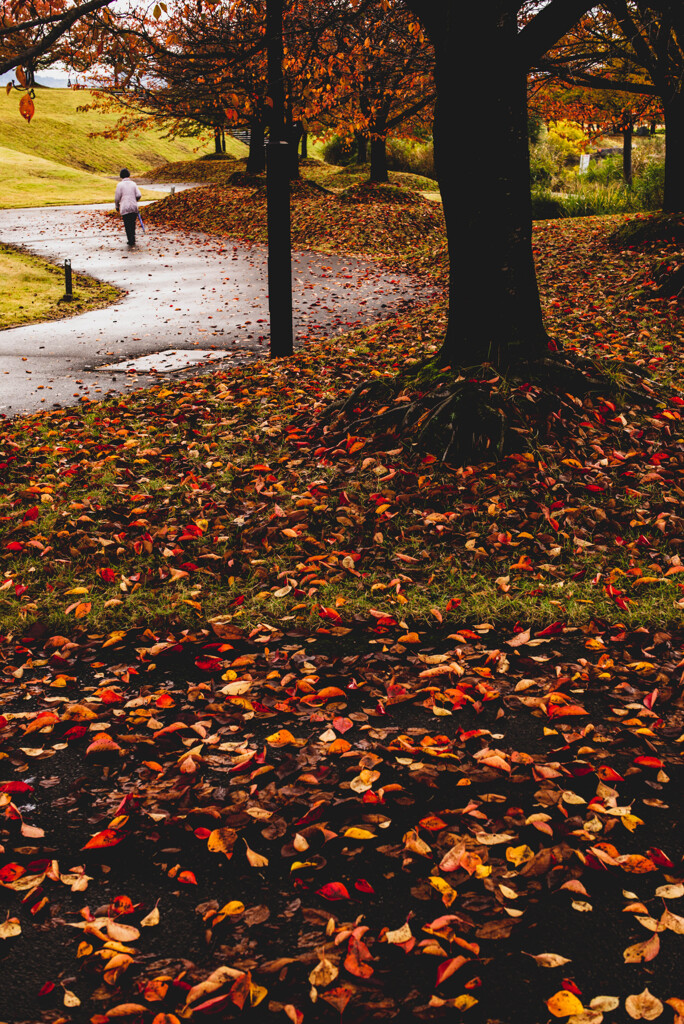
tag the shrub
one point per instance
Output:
(411, 157)
(339, 151)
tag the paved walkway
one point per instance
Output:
(183, 292)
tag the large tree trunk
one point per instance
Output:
(361, 148)
(378, 168)
(256, 161)
(674, 156)
(494, 309)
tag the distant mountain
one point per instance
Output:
(45, 81)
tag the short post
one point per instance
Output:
(173, 190)
(68, 284)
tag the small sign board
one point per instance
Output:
(584, 163)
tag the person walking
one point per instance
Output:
(126, 202)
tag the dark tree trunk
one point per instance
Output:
(223, 141)
(674, 156)
(653, 127)
(494, 309)
(305, 145)
(362, 149)
(217, 140)
(378, 168)
(627, 135)
(294, 135)
(256, 161)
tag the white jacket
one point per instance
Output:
(126, 196)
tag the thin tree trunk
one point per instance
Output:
(217, 141)
(305, 145)
(674, 156)
(627, 135)
(256, 161)
(378, 169)
(494, 308)
(294, 135)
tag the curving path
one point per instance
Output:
(183, 292)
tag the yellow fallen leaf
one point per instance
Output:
(564, 1004)
(518, 855)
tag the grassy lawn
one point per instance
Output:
(27, 180)
(33, 289)
(244, 502)
(61, 132)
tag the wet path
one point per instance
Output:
(184, 292)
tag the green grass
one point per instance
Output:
(32, 181)
(33, 290)
(61, 132)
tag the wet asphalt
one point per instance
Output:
(183, 291)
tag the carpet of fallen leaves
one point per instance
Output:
(290, 773)
(387, 220)
(292, 825)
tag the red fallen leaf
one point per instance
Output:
(659, 858)
(106, 574)
(555, 627)
(10, 872)
(363, 886)
(330, 614)
(315, 813)
(101, 840)
(650, 699)
(341, 724)
(47, 988)
(432, 823)
(14, 545)
(452, 603)
(649, 762)
(212, 1006)
(31, 514)
(338, 998)
(15, 787)
(202, 833)
(334, 891)
(607, 774)
(121, 905)
(209, 664)
(110, 696)
(239, 991)
(187, 878)
(449, 967)
(355, 960)
(566, 710)
(76, 732)
(569, 985)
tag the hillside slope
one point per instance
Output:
(60, 132)
(27, 180)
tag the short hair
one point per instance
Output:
(124, 173)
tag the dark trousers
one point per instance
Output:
(130, 220)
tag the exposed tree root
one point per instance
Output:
(669, 277)
(483, 414)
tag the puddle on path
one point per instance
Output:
(167, 361)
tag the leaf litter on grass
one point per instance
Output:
(288, 772)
